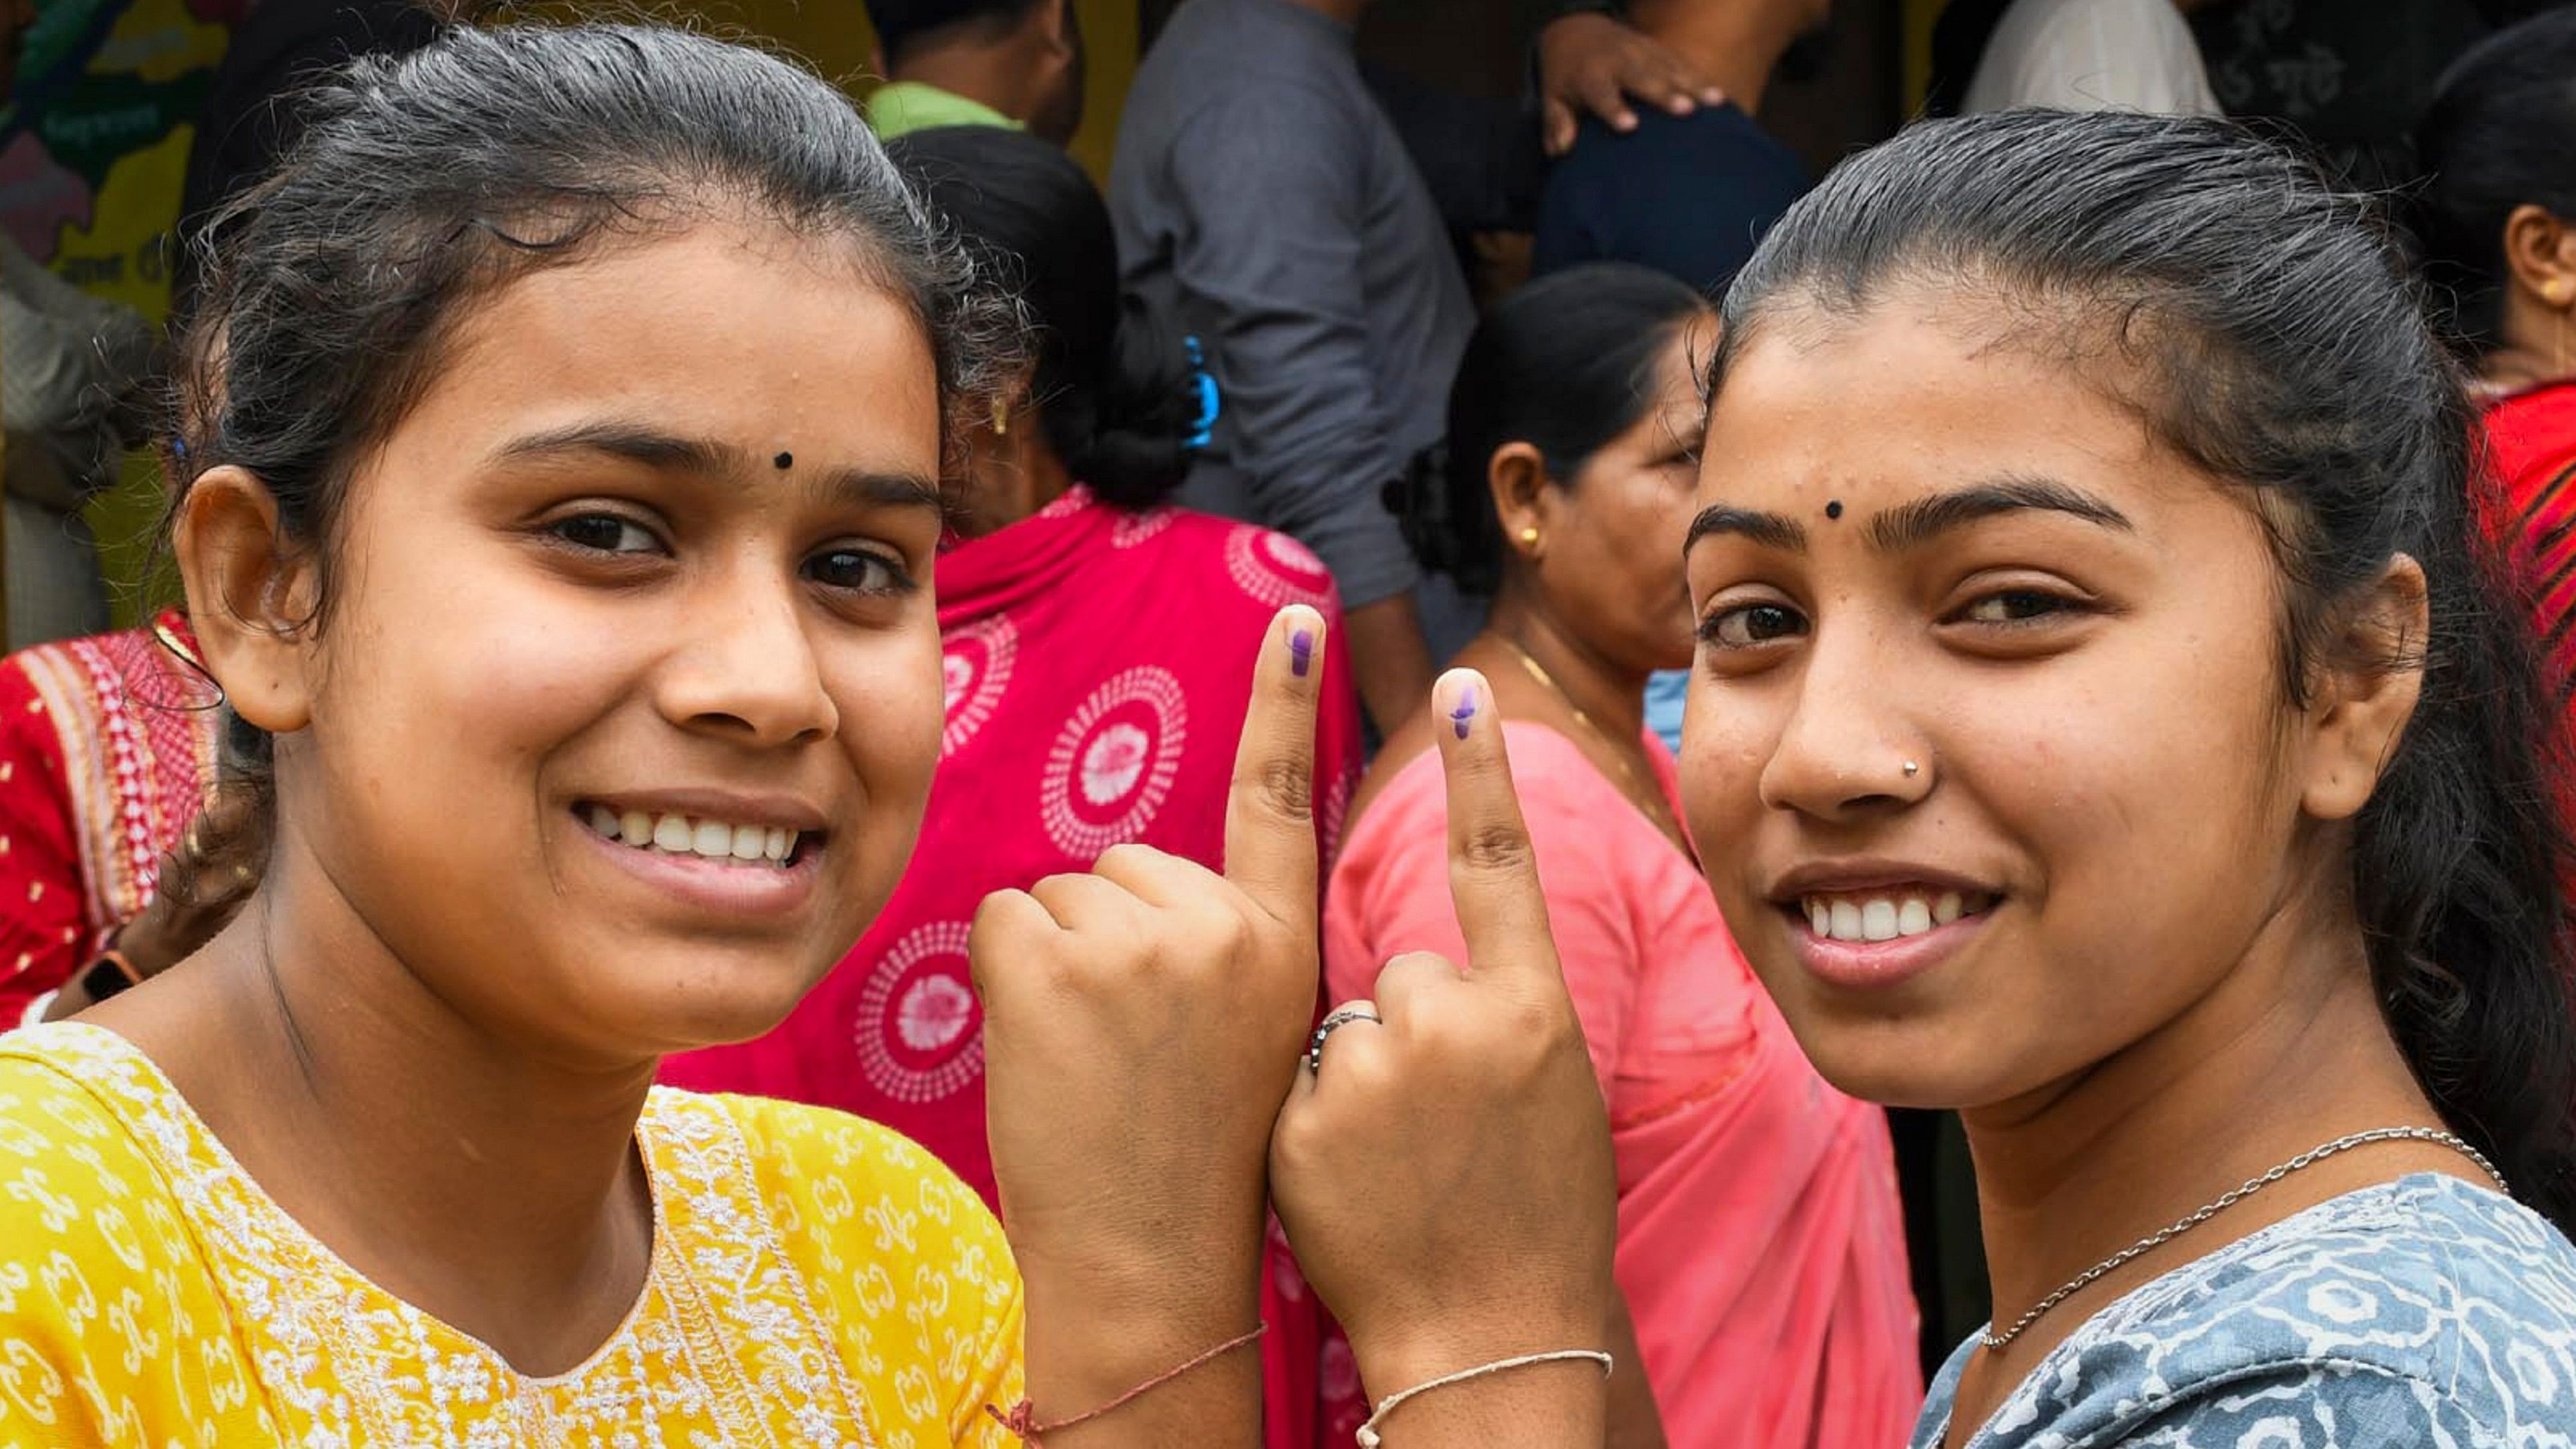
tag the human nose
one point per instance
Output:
(1848, 748)
(748, 669)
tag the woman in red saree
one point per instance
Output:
(1097, 646)
(2497, 220)
(107, 748)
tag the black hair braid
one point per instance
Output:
(1112, 391)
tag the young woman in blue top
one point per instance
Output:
(2110, 724)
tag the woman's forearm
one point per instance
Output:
(1635, 1421)
(1542, 1406)
(1094, 1336)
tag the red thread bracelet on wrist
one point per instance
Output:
(1021, 1422)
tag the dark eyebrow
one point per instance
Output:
(874, 489)
(1912, 524)
(631, 441)
(672, 453)
(1770, 530)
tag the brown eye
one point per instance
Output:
(858, 571)
(1752, 625)
(2015, 606)
(606, 533)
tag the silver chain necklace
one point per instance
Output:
(1996, 1342)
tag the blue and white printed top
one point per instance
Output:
(2423, 1313)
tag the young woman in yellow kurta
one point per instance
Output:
(382, 1166)
(814, 1279)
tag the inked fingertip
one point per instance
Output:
(1462, 697)
(1304, 629)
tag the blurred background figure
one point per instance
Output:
(1098, 642)
(1689, 195)
(2079, 55)
(2347, 77)
(1266, 206)
(2496, 219)
(1761, 1246)
(1009, 63)
(74, 370)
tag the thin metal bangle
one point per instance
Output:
(1368, 1435)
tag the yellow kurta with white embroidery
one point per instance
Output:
(816, 1280)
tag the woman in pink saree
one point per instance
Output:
(1761, 1254)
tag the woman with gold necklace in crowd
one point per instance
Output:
(1760, 1249)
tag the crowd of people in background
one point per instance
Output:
(695, 862)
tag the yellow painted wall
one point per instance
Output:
(1919, 15)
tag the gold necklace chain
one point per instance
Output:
(1632, 787)
(1997, 1341)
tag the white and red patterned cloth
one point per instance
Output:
(1097, 667)
(107, 747)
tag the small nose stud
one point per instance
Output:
(1912, 769)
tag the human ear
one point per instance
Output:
(1517, 476)
(1059, 22)
(2366, 692)
(251, 598)
(2540, 251)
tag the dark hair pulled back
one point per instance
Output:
(2500, 133)
(424, 183)
(1565, 364)
(2268, 332)
(904, 27)
(1112, 390)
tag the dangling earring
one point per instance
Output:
(1001, 418)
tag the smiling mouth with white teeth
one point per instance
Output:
(771, 846)
(1889, 915)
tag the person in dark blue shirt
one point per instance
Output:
(1685, 194)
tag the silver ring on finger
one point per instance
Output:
(1334, 1020)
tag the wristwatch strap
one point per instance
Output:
(107, 974)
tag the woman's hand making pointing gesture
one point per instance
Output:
(1444, 1176)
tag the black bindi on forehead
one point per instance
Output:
(784, 461)
(1833, 506)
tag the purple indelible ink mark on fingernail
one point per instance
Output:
(1465, 713)
(1301, 652)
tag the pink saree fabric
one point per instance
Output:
(1761, 1246)
(1098, 664)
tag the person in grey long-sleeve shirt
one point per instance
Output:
(1265, 204)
